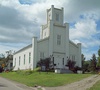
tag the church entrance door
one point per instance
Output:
(59, 62)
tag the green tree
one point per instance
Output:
(98, 63)
(93, 63)
(83, 63)
(86, 65)
(2, 59)
(71, 64)
(99, 52)
(45, 62)
(83, 59)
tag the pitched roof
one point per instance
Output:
(23, 49)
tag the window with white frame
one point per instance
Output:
(29, 57)
(53, 60)
(41, 55)
(24, 58)
(58, 39)
(15, 61)
(19, 60)
(73, 57)
(63, 61)
(57, 17)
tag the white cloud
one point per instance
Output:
(84, 28)
(9, 2)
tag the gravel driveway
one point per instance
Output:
(79, 85)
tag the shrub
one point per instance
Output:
(37, 69)
(71, 64)
(76, 68)
(24, 72)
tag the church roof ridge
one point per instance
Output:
(23, 49)
(73, 43)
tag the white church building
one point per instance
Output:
(54, 43)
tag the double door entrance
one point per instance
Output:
(59, 61)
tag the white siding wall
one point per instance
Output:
(21, 54)
(43, 46)
(45, 33)
(73, 52)
(59, 51)
(59, 31)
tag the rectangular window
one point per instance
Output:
(15, 61)
(63, 61)
(53, 60)
(73, 57)
(58, 39)
(24, 58)
(41, 55)
(29, 57)
(57, 17)
(11, 64)
(19, 60)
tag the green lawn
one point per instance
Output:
(44, 79)
(95, 86)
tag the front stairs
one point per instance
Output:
(62, 70)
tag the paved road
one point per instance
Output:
(10, 85)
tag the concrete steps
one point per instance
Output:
(59, 70)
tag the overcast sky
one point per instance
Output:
(20, 20)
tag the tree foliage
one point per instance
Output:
(86, 66)
(93, 63)
(83, 62)
(45, 62)
(98, 63)
(99, 52)
(4, 59)
(71, 64)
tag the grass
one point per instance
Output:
(44, 79)
(95, 86)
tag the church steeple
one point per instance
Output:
(55, 14)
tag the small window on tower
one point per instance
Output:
(57, 17)
(58, 39)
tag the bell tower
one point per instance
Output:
(56, 15)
